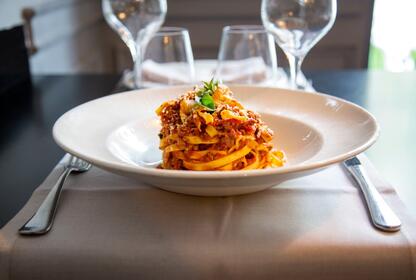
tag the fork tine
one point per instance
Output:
(82, 163)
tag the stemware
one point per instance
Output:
(169, 60)
(135, 21)
(247, 55)
(297, 25)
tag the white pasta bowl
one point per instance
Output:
(119, 133)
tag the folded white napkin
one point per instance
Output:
(234, 72)
(245, 71)
(169, 73)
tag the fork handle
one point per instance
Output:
(41, 221)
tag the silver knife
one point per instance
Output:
(381, 214)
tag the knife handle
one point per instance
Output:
(381, 214)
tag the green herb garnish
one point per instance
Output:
(207, 101)
(204, 95)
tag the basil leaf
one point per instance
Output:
(204, 96)
(199, 102)
(208, 101)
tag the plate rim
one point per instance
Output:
(120, 166)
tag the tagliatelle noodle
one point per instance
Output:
(225, 137)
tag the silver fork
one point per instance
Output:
(41, 221)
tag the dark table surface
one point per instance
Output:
(28, 152)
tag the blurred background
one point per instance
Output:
(71, 36)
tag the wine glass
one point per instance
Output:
(247, 55)
(135, 21)
(169, 60)
(297, 25)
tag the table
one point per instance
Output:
(28, 153)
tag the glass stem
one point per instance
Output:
(295, 63)
(135, 52)
(141, 44)
(137, 67)
(133, 49)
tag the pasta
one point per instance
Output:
(207, 129)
